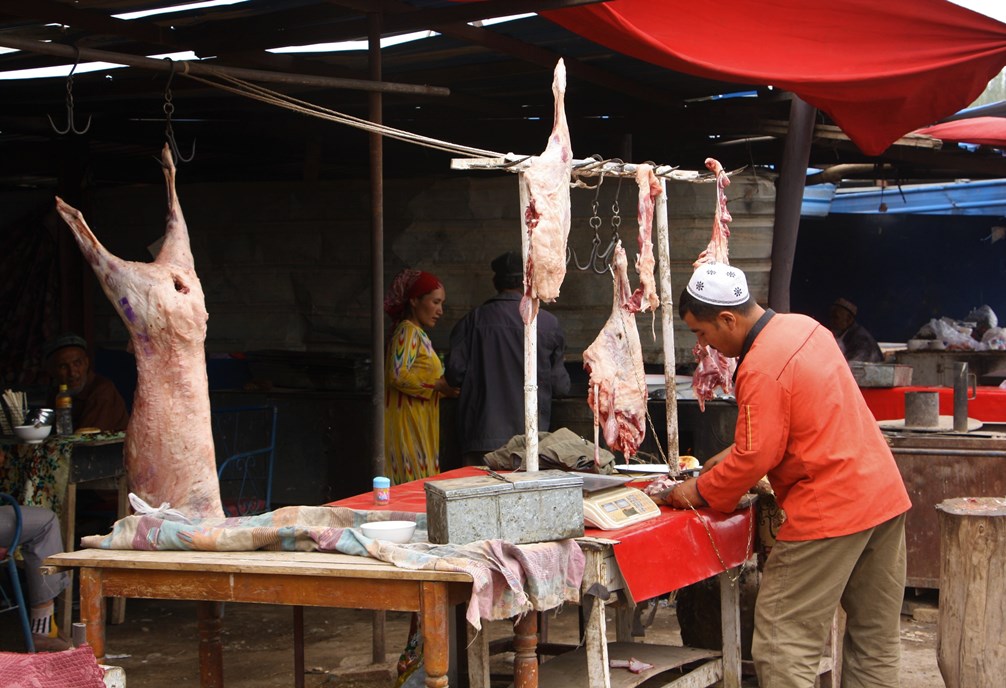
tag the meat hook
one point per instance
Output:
(70, 125)
(169, 131)
(595, 224)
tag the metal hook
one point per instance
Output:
(169, 131)
(70, 124)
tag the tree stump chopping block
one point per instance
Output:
(971, 632)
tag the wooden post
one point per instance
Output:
(667, 324)
(970, 645)
(530, 352)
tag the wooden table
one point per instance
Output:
(638, 563)
(291, 578)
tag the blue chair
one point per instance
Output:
(245, 442)
(13, 600)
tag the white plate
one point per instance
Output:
(650, 468)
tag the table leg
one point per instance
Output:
(525, 645)
(68, 523)
(730, 618)
(121, 511)
(478, 654)
(211, 656)
(92, 610)
(434, 608)
(298, 646)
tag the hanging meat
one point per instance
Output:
(713, 369)
(547, 214)
(645, 297)
(169, 443)
(614, 362)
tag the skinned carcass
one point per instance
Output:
(645, 297)
(713, 369)
(614, 362)
(547, 215)
(169, 442)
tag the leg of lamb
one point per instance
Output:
(614, 362)
(645, 297)
(547, 215)
(169, 443)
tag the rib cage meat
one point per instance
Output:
(614, 362)
(169, 442)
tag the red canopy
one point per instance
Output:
(988, 131)
(879, 69)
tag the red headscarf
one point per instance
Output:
(408, 284)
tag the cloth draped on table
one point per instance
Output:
(36, 474)
(508, 579)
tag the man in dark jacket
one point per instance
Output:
(853, 339)
(486, 361)
(96, 401)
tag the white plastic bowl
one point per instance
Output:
(392, 531)
(31, 434)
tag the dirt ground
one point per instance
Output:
(158, 644)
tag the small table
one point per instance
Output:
(292, 578)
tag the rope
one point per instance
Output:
(247, 89)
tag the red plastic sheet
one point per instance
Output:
(888, 403)
(879, 69)
(655, 557)
(988, 131)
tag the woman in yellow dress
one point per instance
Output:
(413, 377)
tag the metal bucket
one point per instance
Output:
(922, 409)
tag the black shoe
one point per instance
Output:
(44, 643)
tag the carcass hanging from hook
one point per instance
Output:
(70, 124)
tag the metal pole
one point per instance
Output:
(203, 69)
(530, 352)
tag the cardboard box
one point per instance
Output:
(520, 508)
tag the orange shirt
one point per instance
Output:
(803, 421)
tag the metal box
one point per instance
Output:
(519, 508)
(881, 374)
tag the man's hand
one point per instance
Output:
(684, 495)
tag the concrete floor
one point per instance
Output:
(158, 645)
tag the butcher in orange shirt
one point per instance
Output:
(802, 421)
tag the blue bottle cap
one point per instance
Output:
(381, 481)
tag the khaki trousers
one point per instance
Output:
(803, 584)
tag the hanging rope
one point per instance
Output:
(247, 89)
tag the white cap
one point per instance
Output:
(719, 284)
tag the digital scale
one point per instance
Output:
(609, 504)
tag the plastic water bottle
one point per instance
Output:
(64, 412)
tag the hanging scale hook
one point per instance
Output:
(70, 124)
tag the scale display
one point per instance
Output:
(618, 507)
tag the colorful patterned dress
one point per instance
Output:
(411, 407)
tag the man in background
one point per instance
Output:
(486, 360)
(96, 401)
(853, 339)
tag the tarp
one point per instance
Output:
(988, 131)
(879, 69)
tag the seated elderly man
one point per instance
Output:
(856, 343)
(96, 401)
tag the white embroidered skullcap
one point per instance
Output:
(719, 284)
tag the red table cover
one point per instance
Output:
(655, 557)
(888, 403)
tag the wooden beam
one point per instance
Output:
(203, 69)
(50, 11)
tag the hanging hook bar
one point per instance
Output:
(169, 109)
(70, 124)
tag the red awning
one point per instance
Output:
(988, 131)
(879, 69)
